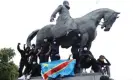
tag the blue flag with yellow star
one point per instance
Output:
(56, 68)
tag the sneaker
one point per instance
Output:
(28, 77)
(22, 77)
(91, 71)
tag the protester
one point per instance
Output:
(24, 61)
(104, 65)
(54, 53)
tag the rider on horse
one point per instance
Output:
(64, 22)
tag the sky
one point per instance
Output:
(18, 18)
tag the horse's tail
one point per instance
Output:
(31, 36)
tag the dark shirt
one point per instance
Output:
(54, 54)
(54, 49)
(95, 66)
(33, 56)
(85, 59)
(24, 57)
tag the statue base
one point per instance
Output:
(81, 76)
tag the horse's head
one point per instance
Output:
(109, 19)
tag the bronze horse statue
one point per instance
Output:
(85, 31)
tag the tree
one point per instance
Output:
(8, 70)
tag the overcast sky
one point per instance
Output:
(18, 18)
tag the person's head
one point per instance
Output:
(101, 57)
(33, 46)
(66, 4)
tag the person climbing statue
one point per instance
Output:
(86, 59)
(64, 22)
(24, 60)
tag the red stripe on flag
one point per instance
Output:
(56, 69)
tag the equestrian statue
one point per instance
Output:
(76, 32)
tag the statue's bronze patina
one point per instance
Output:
(78, 32)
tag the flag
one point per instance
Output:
(56, 68)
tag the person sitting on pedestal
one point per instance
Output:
(104, 65)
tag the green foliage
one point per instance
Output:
(8, 70)
(6, 54)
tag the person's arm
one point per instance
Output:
(24, 47)
(55, 12)
(18, 48)
(39, 51)
(91, 55)
(30, 53)
(108, 63)
(99, 62)
(48, 53)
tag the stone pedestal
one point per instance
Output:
(89, 76)
(83, 76)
